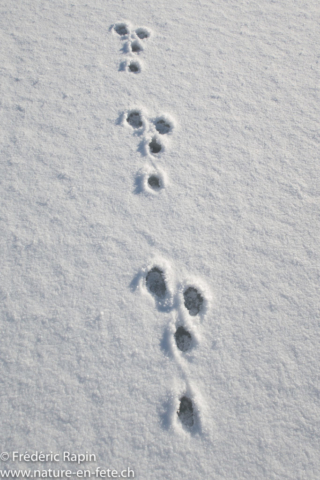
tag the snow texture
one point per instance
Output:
(181, 139)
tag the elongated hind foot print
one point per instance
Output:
(183, 339)
(193, 301)
(185, 412)
(136, 47)
(156, 283)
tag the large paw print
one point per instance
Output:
(156, 283)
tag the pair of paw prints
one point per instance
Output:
(190, 301)
(155, 142)
(193, 299)
(134, 45)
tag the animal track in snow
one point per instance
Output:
(134, 119)
(183, 339)
(155, 146)
(122, 29)
(150, 180)
(156, 283)
(154, 142)
(156, 279)
(185, 412)
(134, 66)
(159, 280)
(193, 301)
(136, 46)
(159, 127)
(163, 126)
(154, 182)
(143, 33)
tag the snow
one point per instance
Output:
(89, 361)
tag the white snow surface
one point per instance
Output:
(88, 357)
